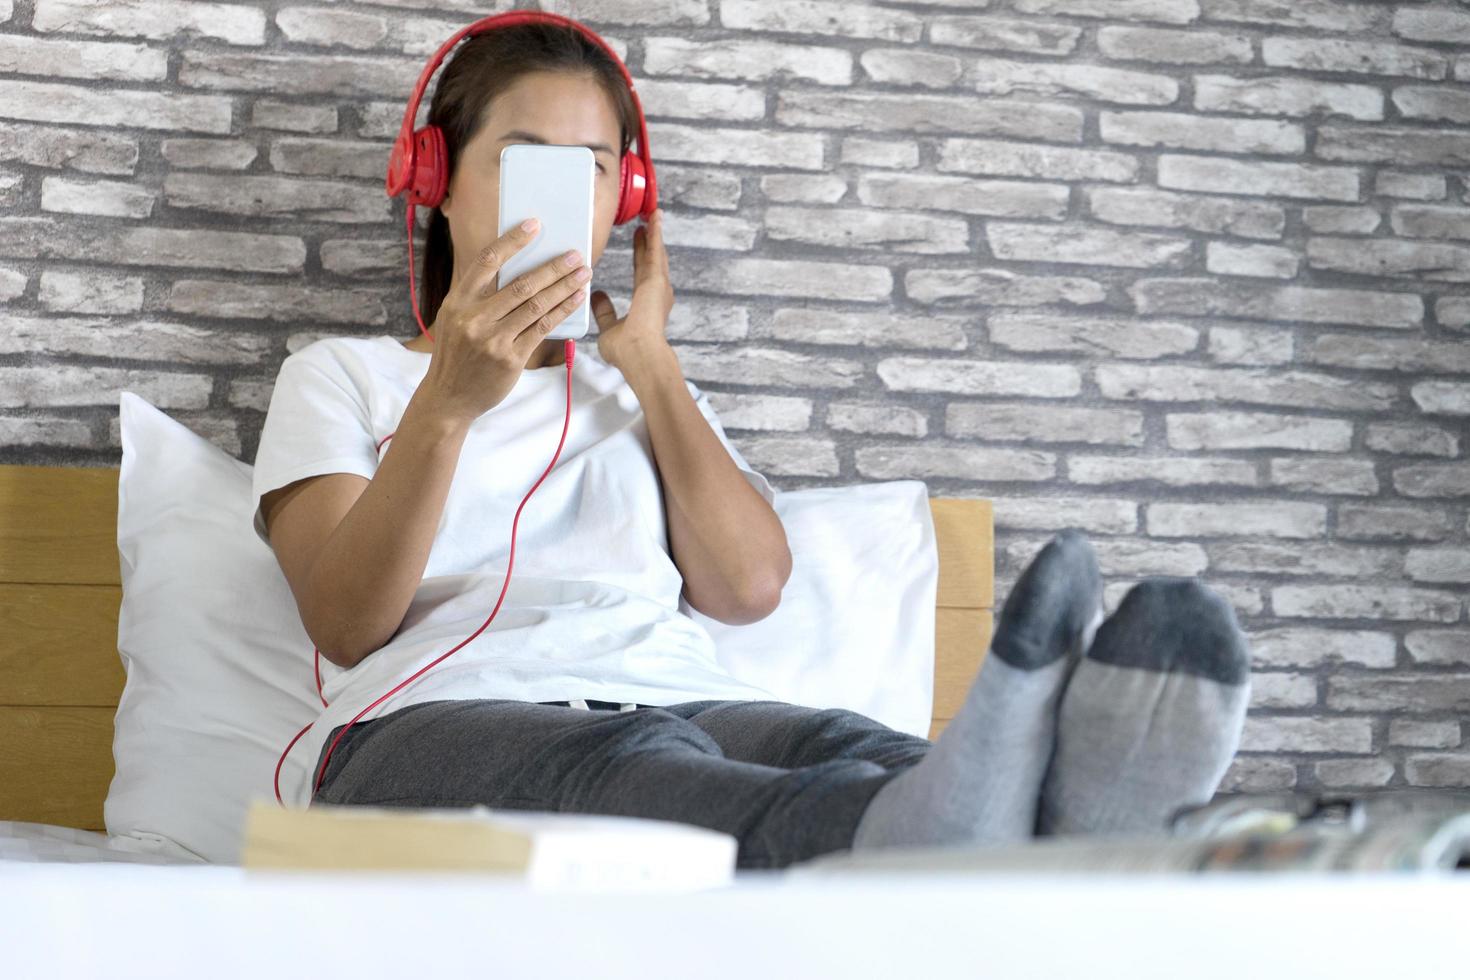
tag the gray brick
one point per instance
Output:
(1439, 647)
(1258, 774)
(1182, 131)
(1243, 599)
(56, 385)
(706, 144)
(1270, 261)
(1351, 773)
(184, 248)
(779, 277)
(1445, 769)
(1108, 336)
(1303, 735)
(1365, 602)
(1430, 221)
(1432, 103)
(980, 156)
(990, 421)
(1356, 307)
(1251, 346)
(967, 377)
(909, 112)
(1374, 257)
(45, 431)
(1359, 57)
(1441, 397)
(793, 455)
(803, 325)
(750, 60)
(82, 59)
(1338, 219)
(1409, 693)
(1453, 311)
(997, 198)
(896, 66)
(1191, 471)
(1213, 215)
(892, 231)
(766, 366)
(208, 154)
(270, 114)
(90, 291)
(1433, 480)
(1317, 559)
(954, 462)
(1420, 187)
(1327, 15)
(1308, 646)
(1273, 690)
(865, 152)
(1254, 178)
(1294, 389)
(998, 76)
(52, 103)
(1400, 146)
(1095, 515)
(1166, 11)
(877, 419)
(107, 198)
(1437, 25)
(1089, 246)
(1392, 523)
(1316, 474)
(1282, 95)
(157, 20)
(1000, 287)
(1271, 518)
(1424, 734)
(823, 17)
(1191, 46)
(58, 147)
(1257, 430)
(809, 188)
(143, 340)
(1446, 564)
(1388, 353)
(997, 34)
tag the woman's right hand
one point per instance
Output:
(483, 335)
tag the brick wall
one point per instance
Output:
(1191, 275)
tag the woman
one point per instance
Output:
(589, 691)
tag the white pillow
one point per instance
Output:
(855, 627)
(219, 664)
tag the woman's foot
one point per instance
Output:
(980, 782)
(1152, 715)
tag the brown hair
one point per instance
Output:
(483, 66)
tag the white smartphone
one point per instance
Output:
(553, 183)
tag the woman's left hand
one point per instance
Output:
(644, 326)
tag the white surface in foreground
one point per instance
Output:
(119, 920)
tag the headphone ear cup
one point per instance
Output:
(634, 187)
(431, 167)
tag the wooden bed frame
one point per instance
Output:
(61, 676)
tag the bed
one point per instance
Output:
(74, 902)
(61, 677)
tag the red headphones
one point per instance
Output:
(419, 162)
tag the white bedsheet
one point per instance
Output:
(43, 842)
(121, 920)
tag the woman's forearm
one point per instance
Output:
(368, 571)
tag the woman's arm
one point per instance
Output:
(725, 539)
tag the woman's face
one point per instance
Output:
(549, 107)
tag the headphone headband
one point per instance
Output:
(403, 159)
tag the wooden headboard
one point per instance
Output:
(61, 676)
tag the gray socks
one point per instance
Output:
(980, 782)
(1152, 715)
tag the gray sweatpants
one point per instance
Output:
(788, 782)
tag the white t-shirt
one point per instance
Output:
(593, 608)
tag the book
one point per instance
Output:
(548, 850)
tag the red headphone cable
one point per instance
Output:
(570, 353)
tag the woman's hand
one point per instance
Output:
(620, 339)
